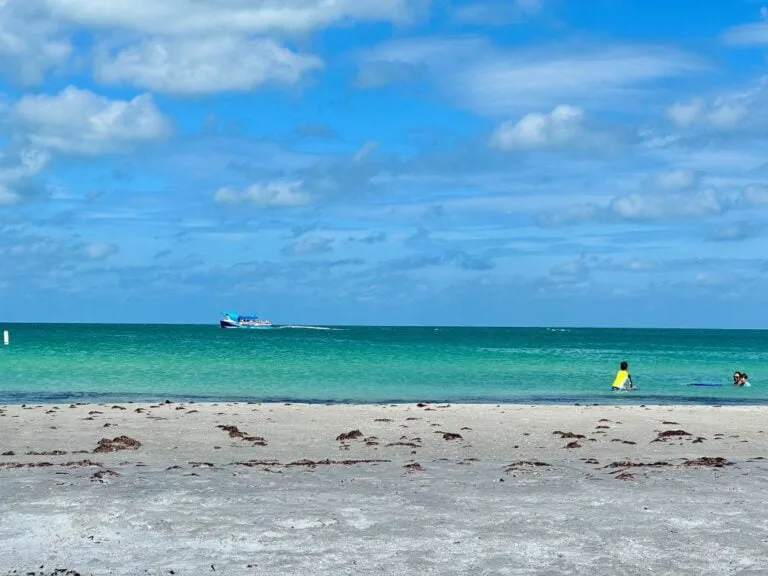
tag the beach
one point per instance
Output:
(237, 488)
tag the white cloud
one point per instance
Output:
(686, 113)
(196, 17)
(78, 121)
(8, 196)
(15, 169)
(755, 195)
(181, 46)
(754, 33)
(271, 194)
(101, 250)
(734, 231)
(675, 198)
(719, 115)
(571, 269)
(494, 81)
(212, 64)
(725, 111)
(680, 179)
(29, 44)
(25, 163)
(496, 12)
(535, 130)
(665, 206)
(365, 150)
(309, 245)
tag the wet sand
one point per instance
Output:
(195, 489)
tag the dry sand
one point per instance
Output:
(436, 489)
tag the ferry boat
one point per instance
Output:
(234, 320)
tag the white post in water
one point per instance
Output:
(6, 338)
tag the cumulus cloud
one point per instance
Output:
(15, 169)
(182, 46)
(22, 164)
(720, 115)
(676, 196)
(742, 109)
(78, 121)
(30, 45)
(203, 65)
(279, 193)
(101, 250)
(701, 270)
(561, 126)
(643, 206)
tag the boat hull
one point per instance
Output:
(232, 325)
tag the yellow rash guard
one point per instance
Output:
(621, 378)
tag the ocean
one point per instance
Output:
(50, 363)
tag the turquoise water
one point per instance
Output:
(68, 363)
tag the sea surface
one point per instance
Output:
(102, 363)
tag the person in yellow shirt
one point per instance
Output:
(623, 380)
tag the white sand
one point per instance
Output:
(464, 512)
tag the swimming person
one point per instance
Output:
(741, 379)
(622, 378)
(744, 381)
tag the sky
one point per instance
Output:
(418, 162)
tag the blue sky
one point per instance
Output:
(516, 162)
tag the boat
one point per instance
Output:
(234, 320)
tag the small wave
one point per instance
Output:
(300, 327)
(521, 351)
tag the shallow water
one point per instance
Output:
(62, 363)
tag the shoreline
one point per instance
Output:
(609, 399)
(407, 489)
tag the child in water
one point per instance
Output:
(623, 380)
(740, 379)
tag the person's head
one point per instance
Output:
(736, 376)
(624, 366)
(744, 376)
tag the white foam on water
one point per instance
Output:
(304, 523)
(324, 328)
